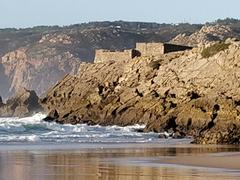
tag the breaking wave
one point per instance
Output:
(35, 130)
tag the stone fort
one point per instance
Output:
(142, 49)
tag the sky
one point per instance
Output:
(28, 13)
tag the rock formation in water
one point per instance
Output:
(189, 93)
(194, 93)
(25, 103)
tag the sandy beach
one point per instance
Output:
(216, 160)
(119, 162)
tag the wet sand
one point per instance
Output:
(218, 160)
(119, 162)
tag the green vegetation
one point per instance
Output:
(214, 49)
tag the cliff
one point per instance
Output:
(194, 93)
(37, 71)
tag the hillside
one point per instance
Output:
(206, 34)
(36, 58)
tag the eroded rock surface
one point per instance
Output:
(178, 92)
(25, 103)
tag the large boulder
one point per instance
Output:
(25, 103)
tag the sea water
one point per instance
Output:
(32, 130)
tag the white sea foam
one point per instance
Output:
(34, 129)
(19, 138)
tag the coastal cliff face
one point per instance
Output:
(39, 71)
(194, 92)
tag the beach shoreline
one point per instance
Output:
(119, 161)
(186, 154)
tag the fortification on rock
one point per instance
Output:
(156, 49)
(142, 49)
(103, 55)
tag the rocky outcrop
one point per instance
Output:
(205, 35)
(25, 103)
(182, 93)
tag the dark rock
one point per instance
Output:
(162, 136)
(52, 115)
(1, 102)
(140, 130)
(193, 95)
(178, 135)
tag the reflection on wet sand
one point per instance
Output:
(97, 164)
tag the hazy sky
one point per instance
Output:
(27, 13)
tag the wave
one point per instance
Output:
(34, 129)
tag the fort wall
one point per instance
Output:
(150, 49)
(103, 55)
(156, 49)
(142, 49)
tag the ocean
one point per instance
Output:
(32, 130)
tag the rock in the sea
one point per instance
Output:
(25, 103)
(188, 94)
(52, 115)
